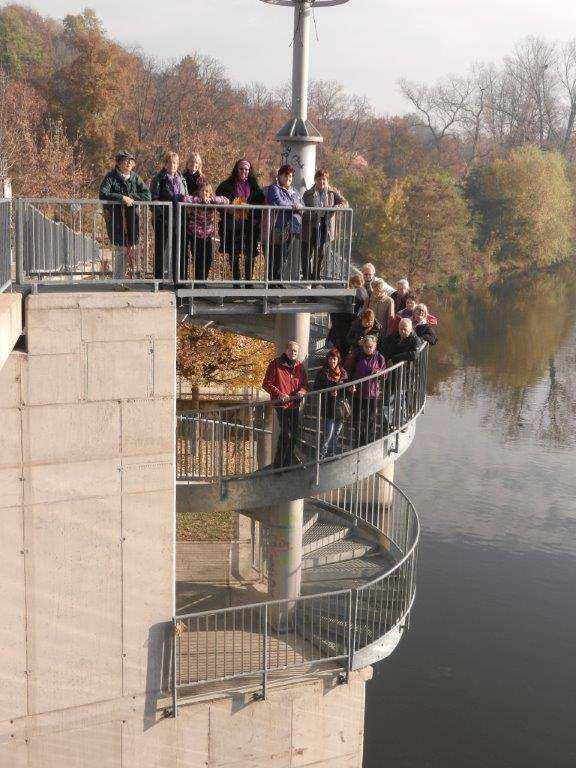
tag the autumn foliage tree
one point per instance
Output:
(70, 97)
(207, 356)
(523, 207)
(425, 230)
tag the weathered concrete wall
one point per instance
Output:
(315, 724)
(10, 323)
(87, 563)
(86, 501)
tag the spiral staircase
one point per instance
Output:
(360, 543)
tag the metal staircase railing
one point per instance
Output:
(345, 627)
(236, 441)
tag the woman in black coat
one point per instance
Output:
(333, 402)
(123, 189)
(239, 230)
(193, 175)
(421, 325)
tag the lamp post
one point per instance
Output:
(299, 137)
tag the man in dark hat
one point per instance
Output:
(122, 188)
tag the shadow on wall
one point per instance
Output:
(158, 670)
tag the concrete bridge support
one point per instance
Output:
(86, 527)
(285, 519)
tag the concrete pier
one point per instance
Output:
(284, 520)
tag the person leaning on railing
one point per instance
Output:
(364, 361)
(123, 188)
(168, 186)
(422, 327)
(200, 228)
(318, 229)
(402, 346)
(284, 263)
(240, 230)
(334, 406)
(286, 383)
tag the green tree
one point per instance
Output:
(523, 207)
(424, 231)
(364, 188)
(22, 47)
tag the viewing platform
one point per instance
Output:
(218, 259)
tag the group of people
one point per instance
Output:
(376, 312)
(299, 240)
(381, 330)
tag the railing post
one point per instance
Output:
(175, 670)
(318, 437)
(352, 627)
(265, 654)
(176, 256)
(221, 453)
(350, 243)
(19, 233)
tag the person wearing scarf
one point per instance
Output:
(422, 326)
(318, 229)
(168, 185)
(123, 190)
(363, 362)
(240, 228)
(329, 376)
(286, 383)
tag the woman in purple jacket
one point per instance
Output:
(366, 361)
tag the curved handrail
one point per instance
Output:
(347, 626)
(237, 441)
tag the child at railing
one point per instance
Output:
(200, 227)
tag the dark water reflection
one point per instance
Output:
(487, 676)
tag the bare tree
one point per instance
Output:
(441, 108)
(567, 78)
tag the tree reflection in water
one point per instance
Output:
(513, 346)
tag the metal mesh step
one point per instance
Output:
(340, 551)
(323, 534)
(350, 573)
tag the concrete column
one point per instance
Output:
(387, 496)
(285, 549)
(284, 521)
(387, 493)
(294, 327)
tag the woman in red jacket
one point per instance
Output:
(286, 383)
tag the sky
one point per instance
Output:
(367, 45)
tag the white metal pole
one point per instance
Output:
(301, 59)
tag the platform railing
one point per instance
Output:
(5, 245)
(81, 241)
(263, 246)
(188, 245)
(237, 441)
(344, 626)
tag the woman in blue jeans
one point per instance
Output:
(331, 374)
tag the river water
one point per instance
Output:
(487, 674)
